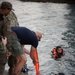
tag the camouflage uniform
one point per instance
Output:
(3, 32)
(13, 44)
(9, 21)
(3, 58)
(3, 49)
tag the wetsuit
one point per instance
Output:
(26, 36)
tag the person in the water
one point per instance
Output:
(57, 52)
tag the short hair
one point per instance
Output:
(58, 47)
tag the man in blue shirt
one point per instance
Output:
(28, 37)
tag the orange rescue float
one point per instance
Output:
(37, 63)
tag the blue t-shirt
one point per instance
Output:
(26, 36)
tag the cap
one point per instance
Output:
(6, 5)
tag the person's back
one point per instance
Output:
(25, 36)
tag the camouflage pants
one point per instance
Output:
(3, 60)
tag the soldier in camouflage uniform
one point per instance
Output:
(3, 49)
(11, 60)
(13, 44)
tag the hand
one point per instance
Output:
(35, 61)
(4, 41)
(8, 54)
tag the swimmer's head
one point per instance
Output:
(59, 49)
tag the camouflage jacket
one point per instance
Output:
(3, 49)
(5, 27)
(9, 21)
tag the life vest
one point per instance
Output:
(55, 54)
